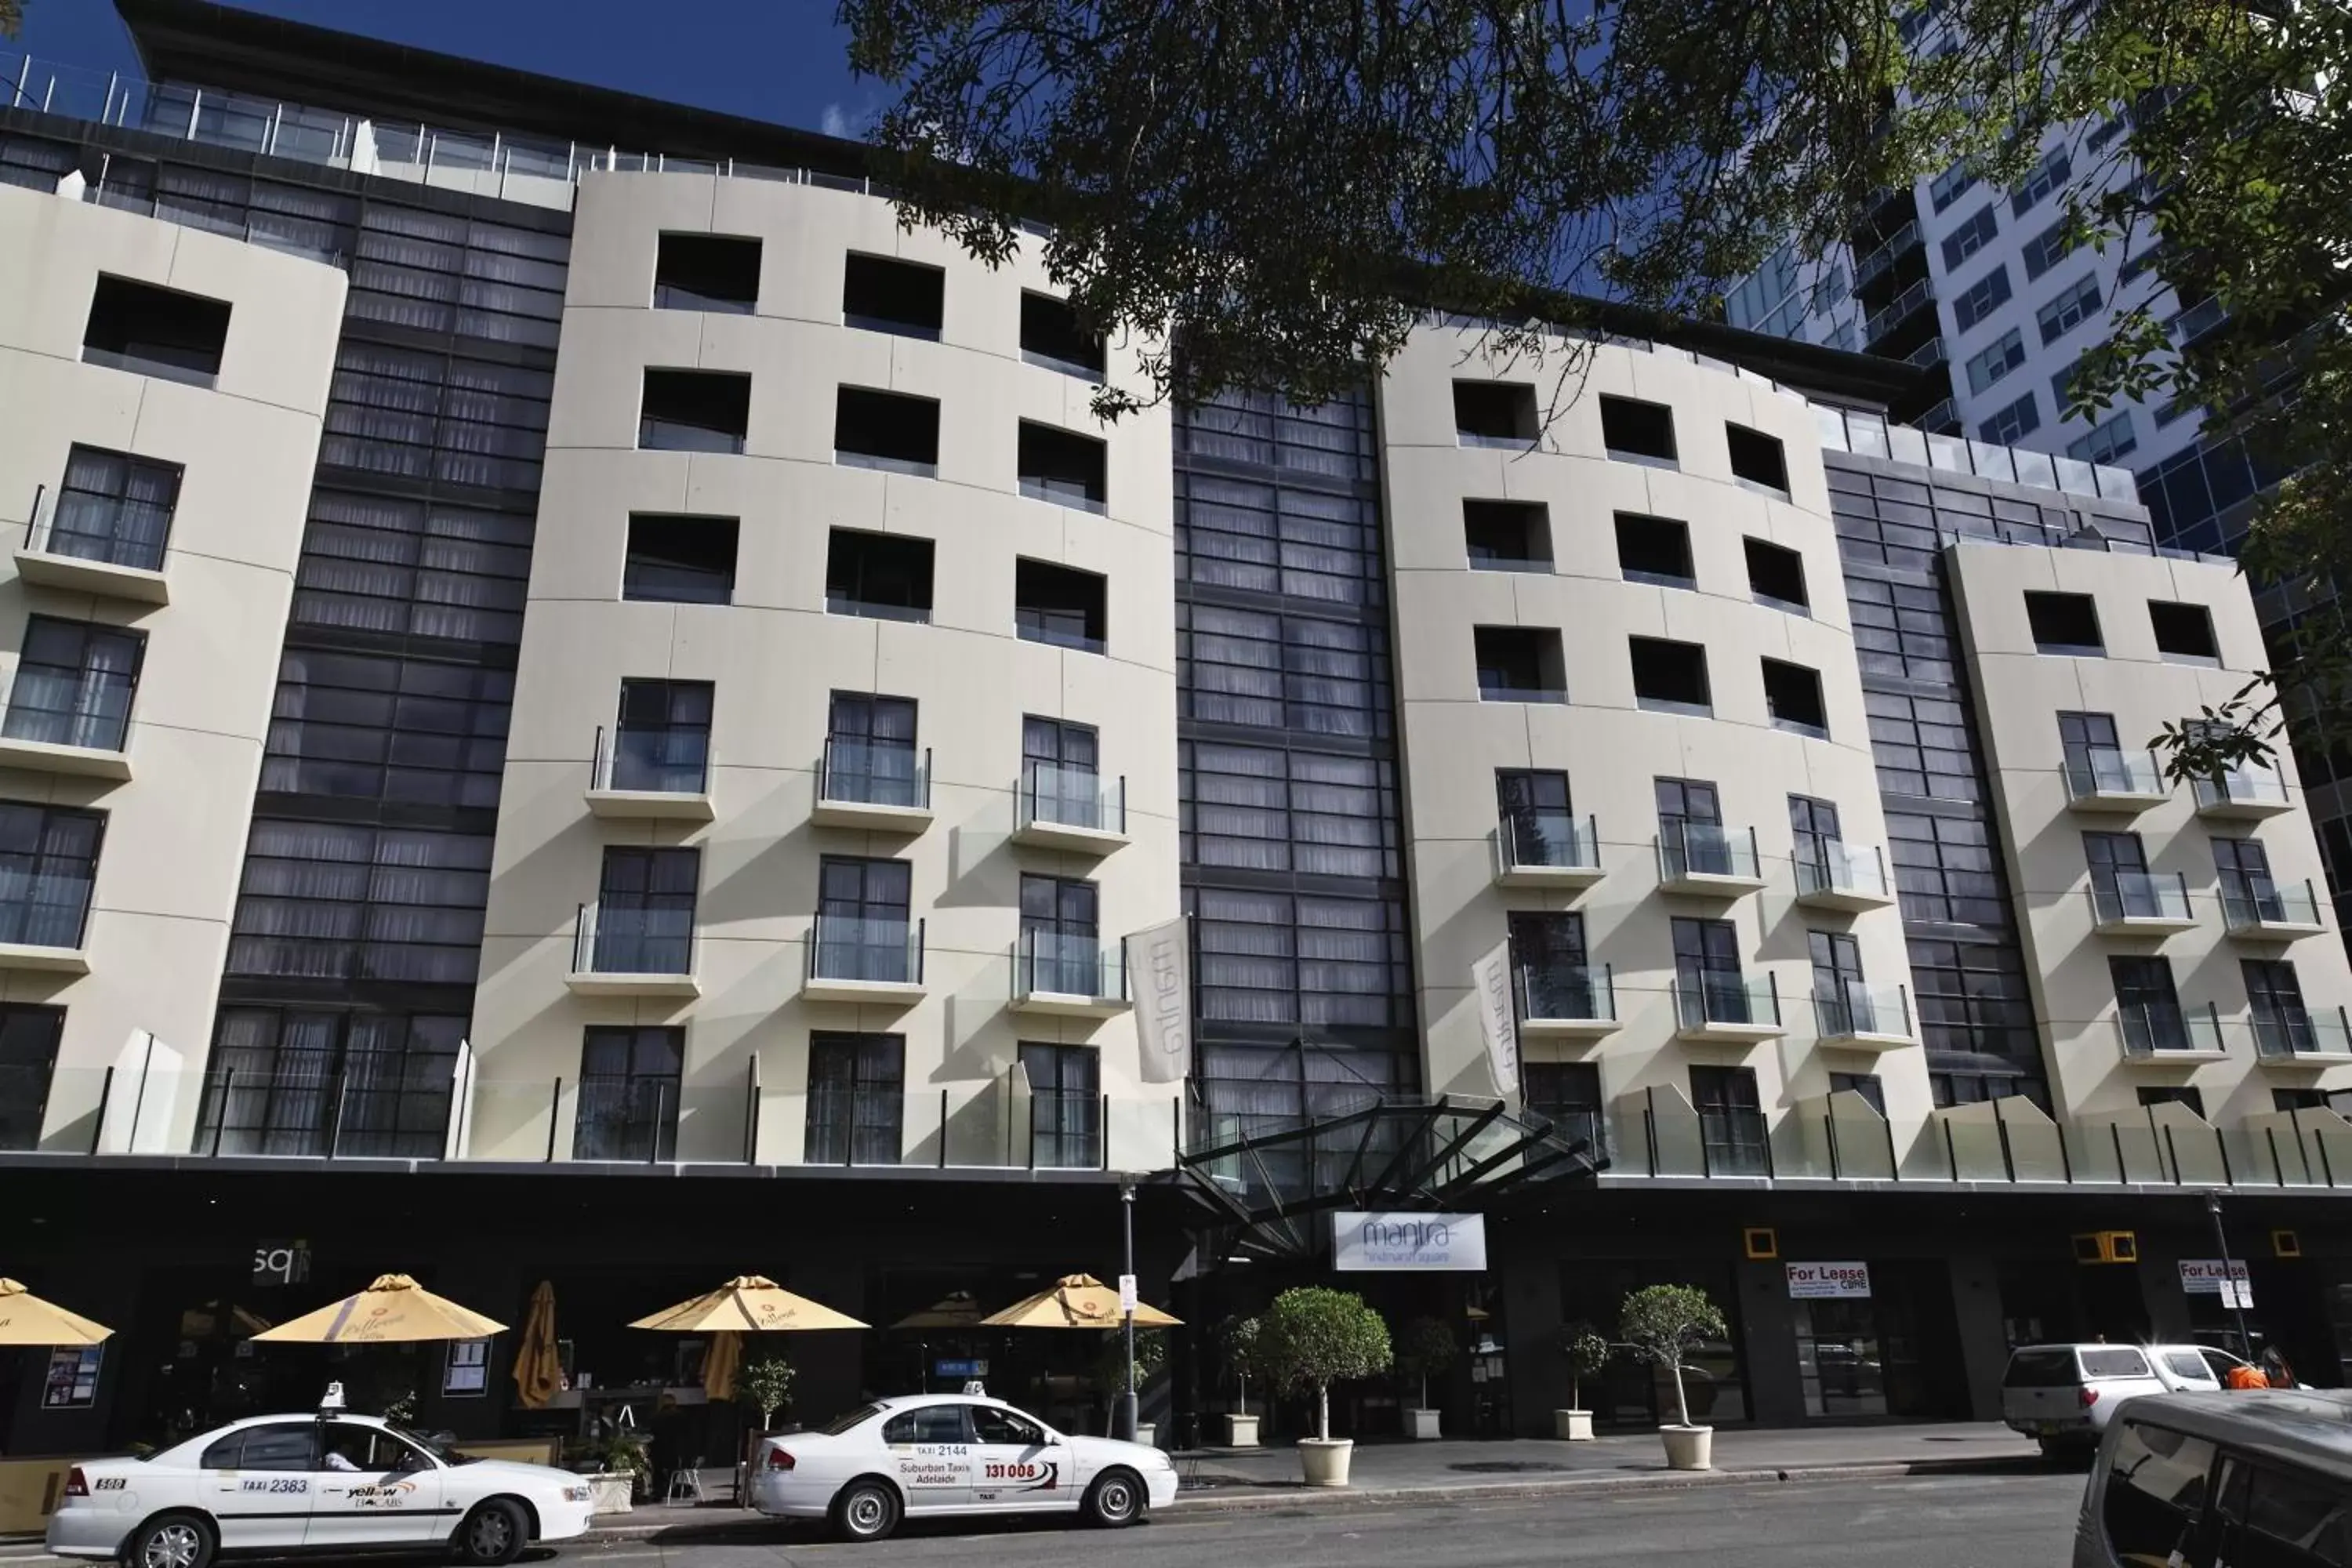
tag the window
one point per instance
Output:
(873, 429)
(1730, 1114)
(2155, 1493)
(161, 333)
(718, 272)
(1548, 960)
(279, 1446)
(1518, 664)
(882, 294)
(1059, 782)
(372, 1450)
(422, 415)
(2071, 308)
(1776, 575)
(1063, 466)
(443, 273)
(1792, 699)
(372, 727)
(1814, 834)
(2148, 1004)
(869, 752)
(645, 912)
(28, 1056)
(2280, 1519)
(1052, 335)
(2048, 249)
(629, 1082)
(1284, 539)
(1061, 946)
(1690, 827)
(284, 1080)
(2339, 1100)
(1325, 960)
(431, 568)
(1670, 677)
(1566, 1095)
(886, 576)
(1272, 671)
(1654, 550)
(1060, 605)
(1950, 185)
(661, 740)
(1841, 999)
(2064, 624)
(1494, 414)
(1758, 458)
(930, 1424)
(857, 1111)
(49, 858)
(1507, 535)
(1971, 238)
(1985, 296)
(1633, 429)
(2053, 173)
(345, 902)
(2008, 426)
(680, 560)
(1866, 1084)
(863, 929)
(1532, 808)
(1266, 808)
(994, 1424)
(2275, 997)
(112, 507)
(1065, 1107)
(2004, 354)
(694, 411)
(2183, 631)
(2108, 441)
(73, 685)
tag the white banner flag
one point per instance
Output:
(1160, 975)
(1490, 977)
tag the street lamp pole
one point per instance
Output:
(2229, 1281)
(1123, 1419)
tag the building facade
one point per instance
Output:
(665, 679)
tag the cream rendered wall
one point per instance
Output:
(775, 657)
(2018, 694)
(1613, 751)
(174, 842)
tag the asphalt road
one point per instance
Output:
(1945, 1521)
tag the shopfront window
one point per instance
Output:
(1839, 1359)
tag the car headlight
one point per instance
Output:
(579, 1494)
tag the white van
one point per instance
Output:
(2259, 1477)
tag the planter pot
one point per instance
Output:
(1241, 1431)
(1324, 1460)
(1573, 1426)
(1148, 1434)
(613, 1489)
(1421, 1425)
(1689, 1448)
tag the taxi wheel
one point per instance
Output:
(494, 1534)
(1115, 1499)
(867, 1509)
(169, 1541)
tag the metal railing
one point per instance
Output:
(863, 772)
(1053, 964)
(1568, 993)
(652, 760)
(1835, 867)
(1550, 841)
(2121, 897)
(2292, 1031)
(1885, 320)
(2244, 785)
(884, 949)
(2103, 771)
(1058, 795)
(114, 531)
(1725, 997)
(61, 705)
(1687, 849)
(1853, 1008)
(632, 940)
(2147, 1030)
(2250, 903)
(1885, 256)
(45, 909)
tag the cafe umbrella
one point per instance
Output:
(749, 1302)
(394, 1310)
(26, 1320)
(1075, 1301)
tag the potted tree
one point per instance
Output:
(1426, 1346)
(1663, 1324)
(1311, 1338)
(768, 1385)
(1111, 1371)
(1238, 1339)
(1586, 1353)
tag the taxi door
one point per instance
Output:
(1016, 1464)
(391, 1494)
(256, 1482)
(930, 1456)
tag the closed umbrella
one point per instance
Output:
(748, 1301)
(393, 1309)
(719, 1364)
(538, 1373)
(1075, 1301)
(26, 1320)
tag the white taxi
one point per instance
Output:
(926, 1456)
(279, 1485)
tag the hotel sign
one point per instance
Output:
(1409, 1243)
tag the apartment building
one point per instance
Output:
(704, 701)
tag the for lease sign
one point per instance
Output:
(1819, 1281)
(2203, 1276)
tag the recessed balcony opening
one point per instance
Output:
(1776, 575)
(1654, 550)
(1758, 458)
(161, 333)
(680, 560)
(2064, 624)
(1793, 697)
(1631, 427)
(716, 272)
(1507, 535)
(1064, 468)
(1519, 664)
(2184, 632)
(1053, 336)
(1061, 606)
(1494, 413)
(887, 430)
(1670, 677)
(694, 411)
(882, 576)
(882, 294)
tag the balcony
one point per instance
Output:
(1856, 1017)
(660, 775)
(67, 720)
(2243, 794)
(1564, 1001)
(1059, 976)
(43, 921)
(1832, 874)
(1868, 269)
(2263, 911)
(2105, 779)
(2168, 1034)
(1700, 860)
(880, 788)
(1547, 850)
(854, 958)
(2140, 903)
(2303, 1037)
(1068, 809)
(1726, 1008)
(633, 952)
(1918, 297)
(108, 546)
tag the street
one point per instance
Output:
(1945, 1521)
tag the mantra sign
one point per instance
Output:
(1408, 1243)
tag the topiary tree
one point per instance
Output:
(1425, 1347)
(768, 1383)
(1237, 1338)
(1313, 1337)
(1111, 1362)
(1586, 1352)
(1664, 1323)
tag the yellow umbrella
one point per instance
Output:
(537, 1373)
(720, 1363)
(26, 1320)
(956, 1310)
(395, 1308)
(747, 1302)
(1075, 1301)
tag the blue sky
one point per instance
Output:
(771, 60)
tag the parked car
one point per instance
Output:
(279, 1485)
(924, 1455)
(2063, 1396)
(2257, 1476)
(2188, 1369)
